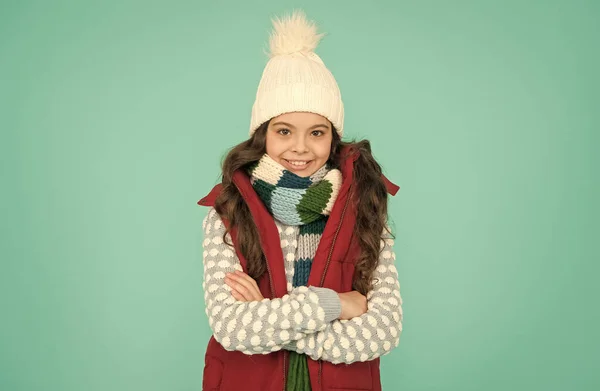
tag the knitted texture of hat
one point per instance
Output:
(295, 78)
(303, 201)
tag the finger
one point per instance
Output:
(241, 294)
(247, 283)
(251, 285)
(239, 288)
(253, 281)
(237, 296)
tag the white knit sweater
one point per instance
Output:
(304, 320)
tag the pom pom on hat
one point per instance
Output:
(295, 78)
(293, 34)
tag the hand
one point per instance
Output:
(353, 304)
(243, 287)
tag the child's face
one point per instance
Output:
(299, 141)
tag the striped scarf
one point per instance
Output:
(302, 201)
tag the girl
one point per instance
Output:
(300, 285)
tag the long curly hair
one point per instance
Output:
(370, 197)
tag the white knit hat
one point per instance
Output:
(295, 78)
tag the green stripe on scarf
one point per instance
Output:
(315, 199)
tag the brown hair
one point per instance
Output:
(369, 189)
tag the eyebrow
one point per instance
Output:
(292, 126)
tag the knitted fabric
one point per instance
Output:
(295, 78)
(303, 201)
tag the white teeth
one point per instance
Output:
(297, 163)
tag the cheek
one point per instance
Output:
(272, 146)
(324, 150)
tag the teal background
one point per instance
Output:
(115, 115)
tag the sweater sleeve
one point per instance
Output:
(257, 327)
(366, 337)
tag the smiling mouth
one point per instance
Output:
(298, 164)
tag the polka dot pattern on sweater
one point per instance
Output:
(304, 320)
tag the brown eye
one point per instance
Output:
(283, 130)
(318, 131)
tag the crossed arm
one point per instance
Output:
(306, 319)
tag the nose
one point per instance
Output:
(299, 145)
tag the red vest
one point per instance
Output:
(332, 267)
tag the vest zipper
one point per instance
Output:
(329, 258)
